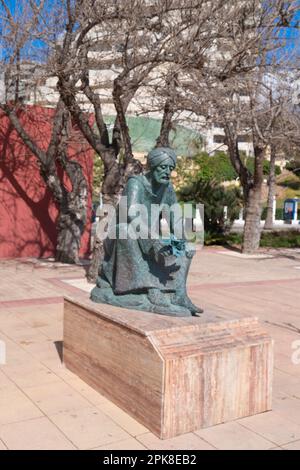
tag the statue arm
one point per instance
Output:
(137, 213)
(176, 219)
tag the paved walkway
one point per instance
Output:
(44, 406)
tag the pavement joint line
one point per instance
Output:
(258, 433)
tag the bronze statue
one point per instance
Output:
(145, 271)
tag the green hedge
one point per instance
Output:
(219, 168)
(278, 239)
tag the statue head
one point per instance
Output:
(161, 161)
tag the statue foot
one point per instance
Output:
(184, 301)
(198, 314)
(157, 297)
(161, 303)
(172, 311)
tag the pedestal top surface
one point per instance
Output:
(147, 323)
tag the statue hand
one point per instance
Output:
(161, 251)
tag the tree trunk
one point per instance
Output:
(72, 214)
(98, 251)
(111, 188)
(271, 194)
(69, 232)
(252, 229)
(252, 196)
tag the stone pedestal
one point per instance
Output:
(173, 375)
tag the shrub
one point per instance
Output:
(275, 239)
(284, 239)
(294, 166)
(217, 167)
(214, 197)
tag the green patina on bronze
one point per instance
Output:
(147, 273)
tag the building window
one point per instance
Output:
(244, 138)
(219, 139)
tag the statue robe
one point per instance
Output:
(129, 264)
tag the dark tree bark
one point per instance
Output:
(169, 109)
(252, 188)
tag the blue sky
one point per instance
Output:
(292, 35)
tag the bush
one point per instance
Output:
(217, 167)
(249, 162)
(294, 166)
(283, 239)
(214, 197)
(286, 239)
(266, 168)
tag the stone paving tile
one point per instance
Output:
(15, 406)
(284, 363)
(16, 356)
(127, 444)
(292, 446)
(89, 428)
(122, 419)
(287, 407)
(188, 441)
(24, 334)
(2, 445)
(30, 374)
(285, 384)
(285, 347)
(34, 434)
(56, 397)
(89, 393)
(42, 350)
(282, 336)
(273, 427)
(5, 382)
(232, 436)
(53, 331)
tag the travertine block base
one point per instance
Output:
(174, 375)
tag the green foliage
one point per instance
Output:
(249, 162)
(217, 167)
(266, 168)
(294, 166)
(276, 239)
(98, 174)
(214, 197)
(286, 239)
(293, 184)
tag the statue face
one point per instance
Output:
(162, 172)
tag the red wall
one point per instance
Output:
(27, 212)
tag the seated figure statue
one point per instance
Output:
(146, 272)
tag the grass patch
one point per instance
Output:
(284, 239)
(287, 239)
